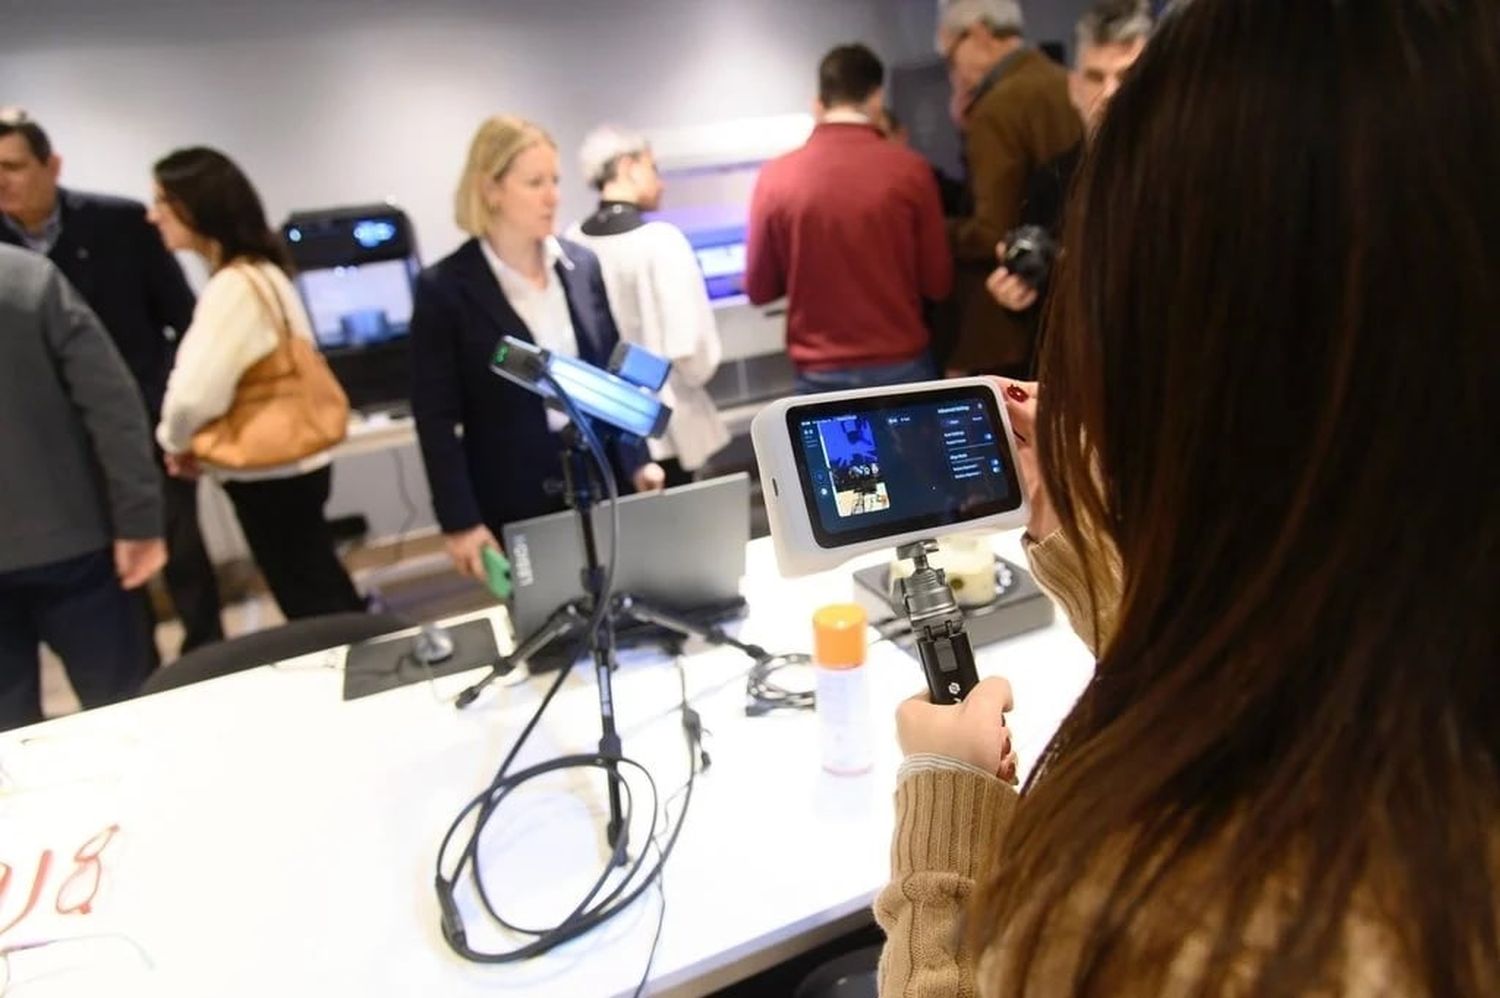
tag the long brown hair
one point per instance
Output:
(1270, 382)
(215, 199)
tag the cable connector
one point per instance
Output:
(452, 921)
(692, 723)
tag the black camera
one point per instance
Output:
(1029, 254)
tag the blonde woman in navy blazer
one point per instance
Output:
(486, 443)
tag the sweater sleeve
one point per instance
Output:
(950, 820)
(1058, 568)
(110, 407)
(231, 331)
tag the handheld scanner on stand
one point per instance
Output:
(937, 623)
(847, 473)
(614, 399)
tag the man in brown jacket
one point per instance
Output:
(1015, 115)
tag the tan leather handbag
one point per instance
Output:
(287, 405)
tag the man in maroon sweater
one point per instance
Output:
(849, 228)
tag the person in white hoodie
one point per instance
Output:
(656, 293)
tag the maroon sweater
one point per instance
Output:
(850, 229)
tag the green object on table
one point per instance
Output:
(496, 572)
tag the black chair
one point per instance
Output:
(300, 637)
(852, 975)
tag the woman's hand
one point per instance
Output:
(649, 477)
(465, 549)
(973, 731)
(1020, 405)
(183, 465)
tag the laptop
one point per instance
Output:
(682, 549)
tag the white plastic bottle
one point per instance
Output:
(843, 693)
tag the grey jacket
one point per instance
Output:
(76, 465)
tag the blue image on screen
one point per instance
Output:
(872, 467)
(853, 463)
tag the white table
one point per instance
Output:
(278, 841)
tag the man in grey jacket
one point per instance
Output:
(80, 498)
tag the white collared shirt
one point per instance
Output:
(544, 309)
(844, 116)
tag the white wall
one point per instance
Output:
(328, 102)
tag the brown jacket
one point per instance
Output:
(1023, 120)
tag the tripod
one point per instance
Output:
(938, 625)
(580, 491)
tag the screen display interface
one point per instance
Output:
(359, 305)
(889, 465)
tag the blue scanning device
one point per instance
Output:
(616, 399)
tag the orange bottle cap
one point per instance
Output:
(839, 636)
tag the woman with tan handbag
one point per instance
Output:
(250, 400)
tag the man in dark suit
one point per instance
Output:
(108, 251)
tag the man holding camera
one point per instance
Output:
(1012, 105)
(1109, 39)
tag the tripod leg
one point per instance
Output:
(628, 606)
(564, 619)
(616, 833)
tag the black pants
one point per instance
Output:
(189, 573)
(283, 521)
(78, 608)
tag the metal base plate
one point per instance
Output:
(1019, 604)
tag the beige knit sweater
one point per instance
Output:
(950, 817)
(951, 821)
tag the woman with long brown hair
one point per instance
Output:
(239, 338)
(1266, 395)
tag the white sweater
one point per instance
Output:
(231, 331)
(657, 296)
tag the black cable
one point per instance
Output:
(764, 695)
(585, 430)
(693, 725)
(589, 912)
(583, 917)
(611, 488)
(661, 921)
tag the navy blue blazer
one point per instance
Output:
(116, 260)
(485, 441)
